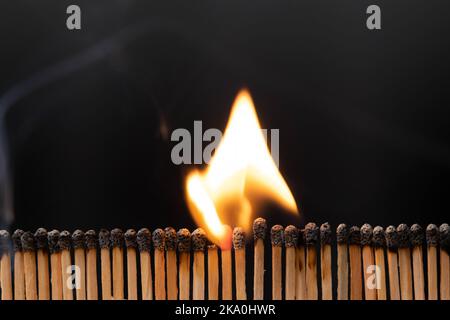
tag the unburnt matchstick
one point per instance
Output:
(417, 236)
(198, 239)
(370, 291)
(19, 273)
(144, 240)
(213, 272)
(78, 242)
(354, 238)
(131, 244)
(342, 262)
(432, 237)
(290, 242)
(444, 238)
(404, 260)
(55, 265)
(184, 249)
(29, 257)
(277, 239)
(392, 244)
(66, 264)
(259, 234)
(300, 261)
(104, 242)
(91, 265)
(239, 258)
(311, 236)
(158, 238)
(171, 263)
(117, 240)
(379, 243)
(325, 255)
(5, 266)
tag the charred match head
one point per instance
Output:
(391, 238)
(379, 237)
(171, 238)
(277, 235)
(354, 235)
(64, 240)
(91, 239)
(198, 238)
(403, 236)
(117, 238)
(416, 235)
(158, 238)
(290, 236)
(16, 240)
(432, 235)
(131, 238)
(144, 240)
(259, 229)
(444, 237)
(342, 233)
(28, 241)
(104, 239)
(4, 241)
(325, 233)
(238, 238)
(53, 238)
(41, 238)
(311, 234)
(366, 234)
(78, 239)
(184, 240)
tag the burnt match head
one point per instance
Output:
(131, 238)
(16, 240)
(403, 235)
(416, 235)
(311, 233)
(117, 238)
(342, 233)
(259, 229)
(444, 237)
(53, 238)
(41, 238)
(379, 237)
(325, 233)
(277, 235)
(366, 234)
(432, 235)
(91, 239)
(290, 236)
(171, 238)
(238, 238)
(144, 240)
(104, 239)
(64, 240)
(78, 239)
(28, 241)
(4, 241)
(158, 238)
(391, 238)
(184, 240)
(198, 238)
(354, 235)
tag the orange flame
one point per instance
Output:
(239, 176)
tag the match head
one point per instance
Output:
(116, 238)
(16, 240)
(28, 241)
(4, 241)
(53, 238)
(78, 239)
(64, 240)
(311, 233)
(403, 235)
(158, 238)
(238, 238)
(171, 238)
(432, 235)
(41, 238)
(366, 234)
(259, 229)
(290, 236)
(198, 238)
(277, 235)
(444, 238)
(91, 239)
(379, 237)
(131, 238)
(416, 235)
(144, 240)
(325, 233)
(184, 240)
(104, 239)
(342, 233)
(391, 238)
(354, 235)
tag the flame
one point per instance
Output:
(240, 175)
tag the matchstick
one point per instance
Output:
(404, 261)
(444, 239)
(19, 274)
(66, 265)
(370, 289)
(300, 257)
(342, 262)
(55, 265)
(392, 244)
(239, 259)
(29, 257)
(354, 238)
(227, 279)
(5, 266)
(198, 239)
(171, 263)
(144, 240)
(379, 243)
(91, 265)
(117, 264)
(325, 261)
(78, 242)
(131, 244)
(184, 249)
(42, 262)
(277, 239)
(290, 242)
(213, 272)
(105, 261)
(259, 234)
(160, 275)
(417, 237)
(311, 237)
(432, 236)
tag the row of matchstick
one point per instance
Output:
(43, 262)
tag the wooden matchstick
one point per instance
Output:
(55, 265)
(131, 244)
(277, 239)
(19, 274)
(404, 261)
(78, 242)
(117, 264)
(91, 265)
(392, 244)
(5, 266)
(198, 239)
(144, 239)
(259, 234)
(356, 292)
(379, 243)
(29, 257)
(370, 289)
(291, 239)
(311, 237)
(325, 261)
(227, 279)
(342, 262)
(239, 259)
(184, 249)
(444, 239)
(171, 263)
(42, 263)
(432, 236)
(66, 265)
(160, 275)
(300, 257)
(213, 272)
(105, 261)
(417, 237)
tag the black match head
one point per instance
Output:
(432, 235)
(403, 235)
(416, 235)
(17, 240)
(290, 236)
(444, 237)
(311, 234)
(158, 239)
(259, 228)
(144, 240)
(325, 233)
(117, 238)
(238, 238)
(104, 239)
(354, 236)
(78, 239)
(53, 238)
(184, 240)
(171, 238)
(41, 238)
(131, 238)
(366, 234)
(379, 237)
(342, 233)
(28, 241)
(277, 235)
(391, 238)
(5, 241)
(198, 239)
(64, 240)
(91, 239)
